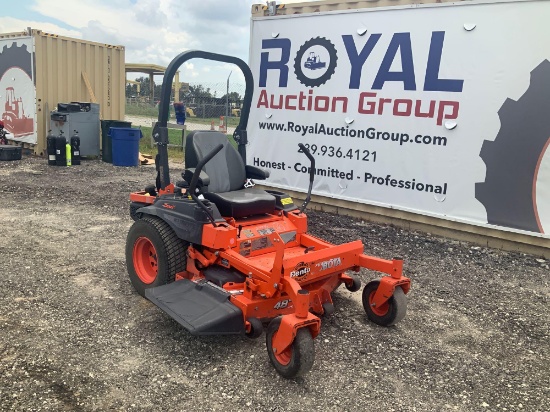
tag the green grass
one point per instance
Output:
(174, 137)
(231, 121)
(143, 110)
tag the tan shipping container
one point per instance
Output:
(67, 70)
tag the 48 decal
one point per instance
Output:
(283, 304)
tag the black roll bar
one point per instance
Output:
(160, 134)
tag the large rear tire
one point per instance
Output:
(154, 254)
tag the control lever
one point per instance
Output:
(311, 175)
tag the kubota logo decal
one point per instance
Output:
(328, 264)
(168, 206)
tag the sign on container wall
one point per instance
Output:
(439, 110)
(17, 89)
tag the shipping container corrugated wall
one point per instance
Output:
(68, 69)
(331, 5)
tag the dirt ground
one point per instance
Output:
(74, 335)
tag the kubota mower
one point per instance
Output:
(221, 257)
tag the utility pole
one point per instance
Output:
(227, 99)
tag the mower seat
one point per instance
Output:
(227, 175)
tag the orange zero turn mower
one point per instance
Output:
(222, 258)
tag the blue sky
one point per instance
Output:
(152, 31)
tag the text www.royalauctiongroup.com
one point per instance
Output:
(346, 131)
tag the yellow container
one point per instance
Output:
(68, 154)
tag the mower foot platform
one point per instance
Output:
(202, 308)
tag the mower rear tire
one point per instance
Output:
(256, 328)
(298, 358)
(154, 254)
(356, 285)
(390, 312)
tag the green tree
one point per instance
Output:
(199, 90)
(233, 97)
(131, 90)
(145, 88)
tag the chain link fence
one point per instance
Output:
(206, 106)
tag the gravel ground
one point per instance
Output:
(75, 336)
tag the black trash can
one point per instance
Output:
(106, 142)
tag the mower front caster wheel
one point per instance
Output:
(297, 359)
(328, 308)
(256, 328)
(356, 285)
(390, 312)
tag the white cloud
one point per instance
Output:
(161, 28)
(149, 13)
(152, 31)
(13, 25)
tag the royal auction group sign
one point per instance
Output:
(439, 109)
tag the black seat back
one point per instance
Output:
(226, 170)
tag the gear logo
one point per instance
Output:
(514, 157)
(16, 56)
(315, 62)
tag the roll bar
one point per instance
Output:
(160, 133)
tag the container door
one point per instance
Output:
(18, 89)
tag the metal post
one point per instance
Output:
(151, 89)
(227, 99)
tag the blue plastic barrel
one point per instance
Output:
(179, 108)
(106, 143)
(125, 145)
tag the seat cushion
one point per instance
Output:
(244, 202)
(226, 170)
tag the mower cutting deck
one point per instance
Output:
(222, 258)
